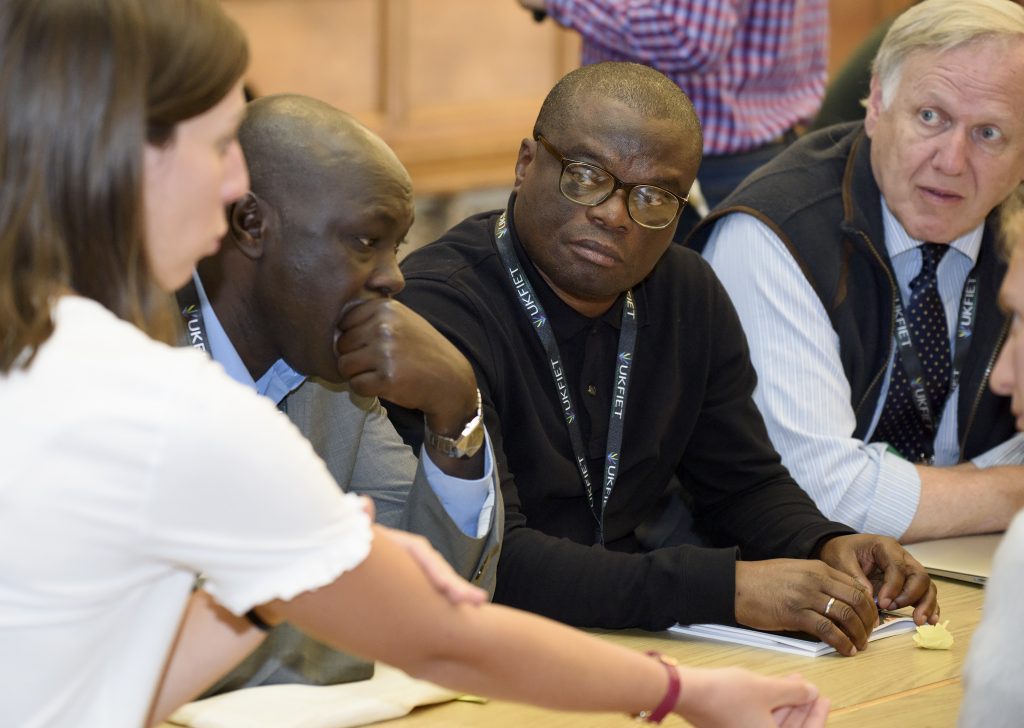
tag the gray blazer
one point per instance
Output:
(365, 455)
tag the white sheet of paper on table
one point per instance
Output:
(794, 645)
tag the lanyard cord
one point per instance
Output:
(620, 383)
(912, 362)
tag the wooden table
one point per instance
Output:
(893, 683)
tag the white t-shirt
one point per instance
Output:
(992, 673)
(127, 467)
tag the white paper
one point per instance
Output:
(389, 694)
(892, 624)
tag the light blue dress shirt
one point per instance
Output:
(468, 502)
(802, 390)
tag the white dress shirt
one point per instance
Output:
(992, 694)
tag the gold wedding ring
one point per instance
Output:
(828, 606)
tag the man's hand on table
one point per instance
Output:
(834, 599)
(894, 577)
(794, 595)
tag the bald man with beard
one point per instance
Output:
(297, 305)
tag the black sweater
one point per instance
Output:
(689, 419)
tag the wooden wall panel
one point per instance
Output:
(853, 20)
(475, 74)
(500, 52)
(329, 49)
(452, 85)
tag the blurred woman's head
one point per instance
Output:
(88, 90)
(193, 162)
(1011, 222)
(1008, 373)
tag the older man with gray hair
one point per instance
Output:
(863, 265)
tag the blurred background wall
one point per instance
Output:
(451, 85)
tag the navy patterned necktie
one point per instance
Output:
(900, 423)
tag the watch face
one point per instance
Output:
(470, 443)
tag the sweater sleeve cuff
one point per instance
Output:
(709, 595)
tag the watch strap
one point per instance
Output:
(257, 621)
(467, 443)
(668, 702)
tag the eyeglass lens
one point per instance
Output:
(588, 185)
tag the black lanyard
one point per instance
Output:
(912, 363)
(192, 311)
(620, 382)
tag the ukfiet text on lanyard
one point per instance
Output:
(534, 311)
(912, 362)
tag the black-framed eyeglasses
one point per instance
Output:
(587, 184)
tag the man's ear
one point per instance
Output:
(873, 105)
(247, 225)
(527, 153)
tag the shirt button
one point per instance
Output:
(591, 390)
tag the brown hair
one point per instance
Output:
(1011, 221)
(197, 55)
(84, 84)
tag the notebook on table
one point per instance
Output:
(794, 643)
(965, 558)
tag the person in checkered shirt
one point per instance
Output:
(754, 70)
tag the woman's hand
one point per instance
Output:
(723, 698)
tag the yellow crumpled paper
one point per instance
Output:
(934, 636)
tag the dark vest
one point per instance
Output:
(821, 199)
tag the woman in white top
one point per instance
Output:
(992, 684)
(129, 467)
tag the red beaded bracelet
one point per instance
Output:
(671, 695)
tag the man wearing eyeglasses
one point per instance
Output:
(617, 392)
